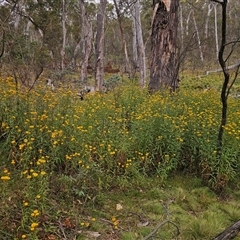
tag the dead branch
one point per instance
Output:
(162, 224)
(36, 78)
(227, 68)
(229, 233)
(62, 230)
(159, 226)
(3, 44)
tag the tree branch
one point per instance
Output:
(162, 224)
(227, 68)
(229, 233)
(3, 44)
(217, 1)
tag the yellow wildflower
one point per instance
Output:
(5, 178)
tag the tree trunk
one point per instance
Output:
(163, 68)
(222, 61)
(88, 49)
(198, 37)
(64, 33)
(99, 65)
(140, 45)
(86, 41)
(134, 43)
(181, 23)
(210, 8)
(229, 233)
(124, 42)
(216, 29)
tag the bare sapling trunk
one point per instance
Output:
(223, 58)
(222, 62)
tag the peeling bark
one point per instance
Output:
(163, 68)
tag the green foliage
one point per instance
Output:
(60, 150)
(112, 82)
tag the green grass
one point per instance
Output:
(67, 164)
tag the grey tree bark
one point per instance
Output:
(99, 64)
(216, 29)
(139, 41)
(134, 44)
(124, 42)
(86, 41)
(210, 8)
(181, 23)
(65, 4)
(229, 233)
(198, 37)
(163, 67)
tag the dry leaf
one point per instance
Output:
(143, 224)
(92, 234)
(119, 207)
(52, 237)
(68, 223)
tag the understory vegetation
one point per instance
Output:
(117, 164)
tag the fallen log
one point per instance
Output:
(228, 68)
(230, 232)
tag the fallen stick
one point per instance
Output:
(228, 68)
(230, 232)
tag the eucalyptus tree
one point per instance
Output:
(5, 14)
(86, 39)
(138, 44)
(45, 17)
(118, 7)
(83, 36)
(163, 67)
(25, 55)
(99, 47)
(64, 12)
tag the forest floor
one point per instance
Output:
(78, 170)
(182, 208)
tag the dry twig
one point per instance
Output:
(162, 224)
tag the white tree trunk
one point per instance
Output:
(210, 8)
(140, 44)
(134, 42)
(187, 22)
(181, 23)
(64, 33)
(88, 49)
(124, 42)
(99, 65)
(198, 37)
(216, 28)
(86, 40)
